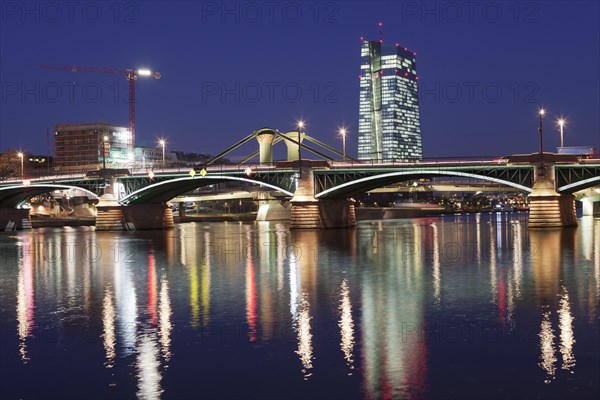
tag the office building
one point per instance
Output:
(87, 146)
(389, 128)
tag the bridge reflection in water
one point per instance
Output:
(460, 305)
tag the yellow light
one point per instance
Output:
(162, 142)
(300, 124)
(20, 155)
(561, 122)
(248, 171)
(203, 172)
(192, 172)
(542, 112)
(105, 138)
(343, 132)
(26, 182)
(151, 174)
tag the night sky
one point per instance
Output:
(230, 68)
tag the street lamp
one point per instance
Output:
(561, 124)
(542, 112)
(343, 134)
(21, 156)
(104, 141)
(300, 126)
(162, 142)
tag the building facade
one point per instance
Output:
(89, 146)
(389, 128)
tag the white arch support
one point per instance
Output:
(574, 185)
(126, 199)
(48, 186)
(428, 172)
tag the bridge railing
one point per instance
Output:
(140, 169)
(445, 161)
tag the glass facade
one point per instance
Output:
(389, 127)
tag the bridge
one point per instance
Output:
(320, 191)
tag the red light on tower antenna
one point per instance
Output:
(397, 44)
(380, 24)
(362, 38)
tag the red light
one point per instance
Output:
(396, 70)
(381, 41)
(380, 23)
(406, 74)
(416, 78)
(397, 44)
(362, 38)
(406, 49)
(415, 53)
(360, 76)
(381, 72)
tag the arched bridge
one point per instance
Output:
(321, 181)
(345, 182)
(164, 187)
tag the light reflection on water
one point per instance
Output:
(394, 309)
(346, 325)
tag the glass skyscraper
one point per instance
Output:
(389, 128)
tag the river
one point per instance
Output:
(456, 306)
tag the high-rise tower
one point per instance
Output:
(389, 128)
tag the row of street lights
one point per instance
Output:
(300, 124)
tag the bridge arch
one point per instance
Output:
(15, 195)
(372, 182)
(579, 185)
(161, 192)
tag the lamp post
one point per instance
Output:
(300, 126)
(343, 134)
(542, 112)
(21, 156)
(162, 142)
(561, 124)
(104, 141)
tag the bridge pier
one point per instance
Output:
(12, 219)
(111, 216)
(271, 209)
(547, 207)
(590, 207)
(148, 216)
(311, 213)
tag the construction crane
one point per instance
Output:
(130, 74)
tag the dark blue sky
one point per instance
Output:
(484, 70)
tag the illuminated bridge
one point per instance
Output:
(320, 192)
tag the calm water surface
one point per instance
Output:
(453, 307)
